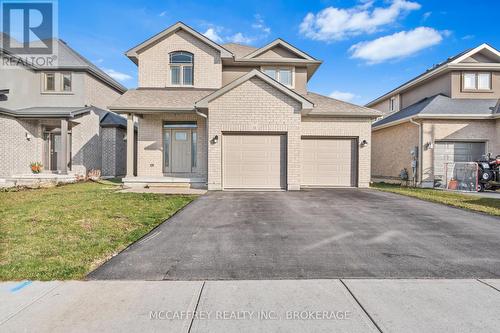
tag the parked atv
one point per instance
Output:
(488, 177)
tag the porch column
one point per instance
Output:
(130, 145)
(64, 147)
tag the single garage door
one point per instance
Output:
(254, 161)
(455, 151)
(329, 162)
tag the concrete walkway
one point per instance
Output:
(350, 305)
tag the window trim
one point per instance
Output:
(476, 81)
(277, 69)
(181, 67)
(70, 80)
(44, 82)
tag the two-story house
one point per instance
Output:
(57, 116)
(450, 113)
(236, 117)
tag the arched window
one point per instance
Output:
(181, 68)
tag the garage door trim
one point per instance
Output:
(256, 133)
(355, 161)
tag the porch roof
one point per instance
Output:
(46, 112)
(159, 99)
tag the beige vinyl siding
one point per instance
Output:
(329, 162)
(254, 161)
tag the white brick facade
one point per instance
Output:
(254, 106)
(154, 68)
(16, 150)
(150, 144)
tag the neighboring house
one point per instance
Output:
(450, 113)
(233, 116)
(57, 116)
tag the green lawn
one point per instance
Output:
(65, 232)
(470, 202)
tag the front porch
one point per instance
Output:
(165, 182)
(171, 150)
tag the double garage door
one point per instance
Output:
(259, 161)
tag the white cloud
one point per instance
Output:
(240, 38)
(466, 37)
(343, 95)
(117, 75)
(163, 13)
(334, 23)
(395, 46)
(213, 35)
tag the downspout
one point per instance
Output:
(420, 152)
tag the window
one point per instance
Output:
(483, 81)
(66, 82)
(194, 149)
(392, 104)
(181, 68)
(476, 81)
(284, 75)
(49, 82)
(181, 136)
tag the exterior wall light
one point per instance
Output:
(215, 139)
(364, 143)
(28, 136)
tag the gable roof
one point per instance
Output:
(68, 59)
(441, 106)
(454, 62)
(306, 104)
(132, 53)
(239, 50)
(282, 43)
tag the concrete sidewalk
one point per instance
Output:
(351, 305)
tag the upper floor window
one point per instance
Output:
(476, 81)
(284, 75)
(392, 103)
(181, 68)
(49, 81)
(66, 81)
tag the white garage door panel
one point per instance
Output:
(254, 161)
(329, 162)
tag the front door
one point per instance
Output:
(181, 150)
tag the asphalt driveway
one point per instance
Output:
(320, 233)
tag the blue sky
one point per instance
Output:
(367, 47)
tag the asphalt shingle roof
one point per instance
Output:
(324, 105)
(181, 98)
(239, 50)
(443, 105)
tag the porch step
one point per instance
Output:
(169, 185)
